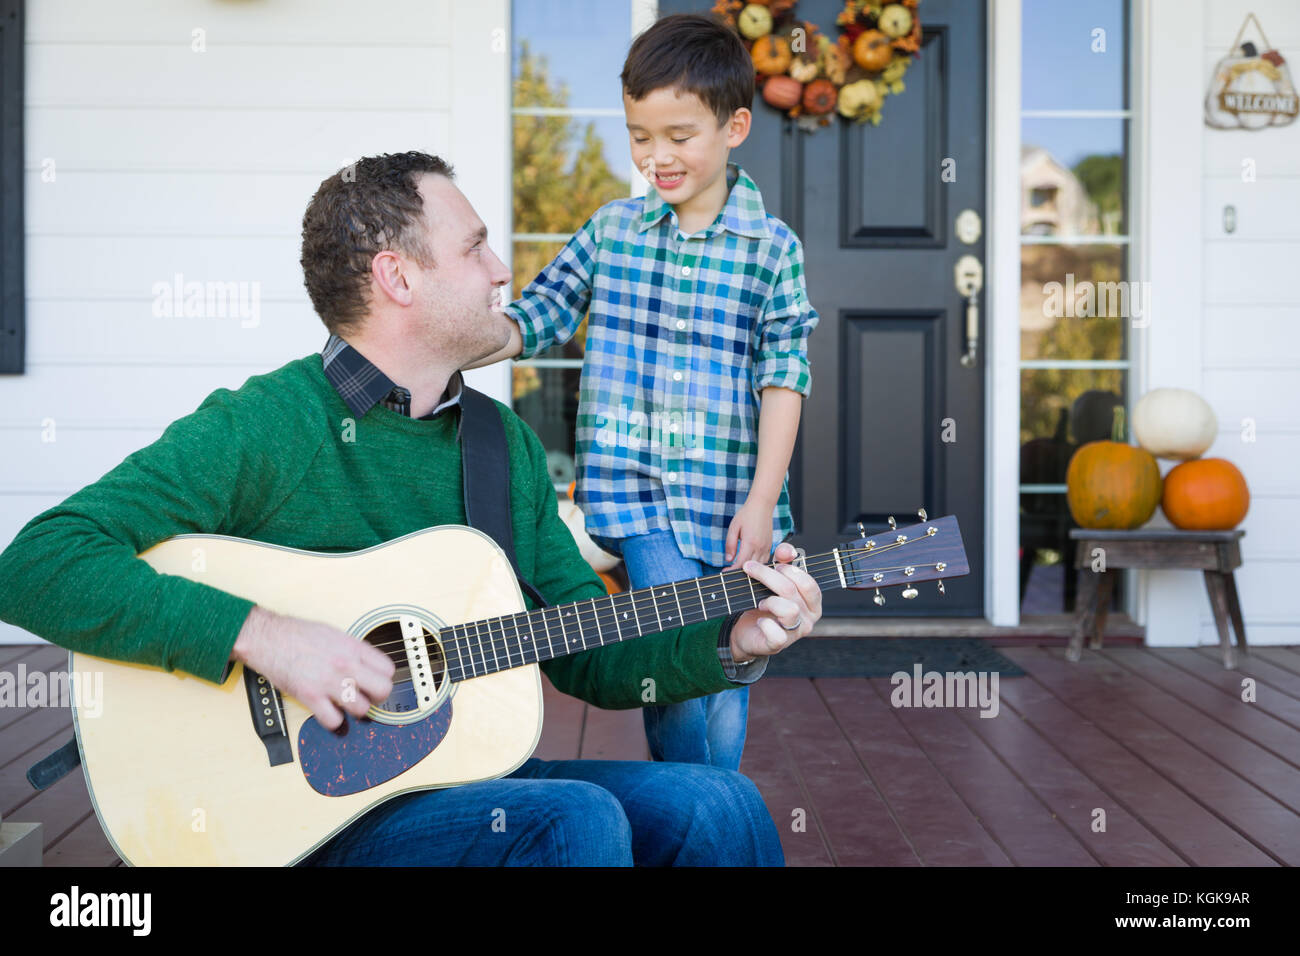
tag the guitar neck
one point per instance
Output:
(499, 643)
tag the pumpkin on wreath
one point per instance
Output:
(771, 55)
(810, 76)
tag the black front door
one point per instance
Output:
(895, 421)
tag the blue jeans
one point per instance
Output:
(569, 813)
(707, 730)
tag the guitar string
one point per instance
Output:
(500, 641)
(462, 643)
(583, 617)
(814, 566)
(644, 599)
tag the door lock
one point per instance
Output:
(969, 279)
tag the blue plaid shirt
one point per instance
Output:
(683, 334)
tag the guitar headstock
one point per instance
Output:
(928, 551)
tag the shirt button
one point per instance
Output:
(686, 270)
(671, 476)
(672, 427)
(677, 376)
(681, 323)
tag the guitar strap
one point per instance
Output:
(485, 471)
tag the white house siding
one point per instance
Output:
(1227, 308)
(169, 161)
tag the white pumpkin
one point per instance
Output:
(1174, 423)
(592, 553)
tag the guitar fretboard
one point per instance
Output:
(528, 637)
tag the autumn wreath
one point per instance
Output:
(810, 76)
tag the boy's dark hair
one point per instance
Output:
(360, 211)
(692, 53)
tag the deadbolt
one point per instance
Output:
(969, 226)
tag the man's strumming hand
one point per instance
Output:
(326, 670)
(783, 617)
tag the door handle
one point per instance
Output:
(969, 279)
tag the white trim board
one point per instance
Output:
(1002, 319)
(482, 148)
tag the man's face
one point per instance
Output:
(677, 143)
(459, 298)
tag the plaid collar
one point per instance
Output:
(362, 385)
(743, 214)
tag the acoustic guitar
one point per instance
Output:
(185, 772)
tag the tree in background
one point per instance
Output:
(1103, 180)
(1046, 392)
(560, 177)
(555, 186)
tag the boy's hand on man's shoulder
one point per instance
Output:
(749, 537)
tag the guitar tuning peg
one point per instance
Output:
(909, 593)
(941, 590)
(924, 516)
(861, 530)
(879, 598)
(893, 526)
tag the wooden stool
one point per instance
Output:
(1216, 553)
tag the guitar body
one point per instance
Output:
(176, 770)
(183, 772)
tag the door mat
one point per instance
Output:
(886, 656)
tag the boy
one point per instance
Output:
(696, 306)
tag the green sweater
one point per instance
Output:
(281, 460)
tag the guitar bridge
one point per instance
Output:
(267, 710)
(417, 659)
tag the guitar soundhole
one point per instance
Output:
(415, 689)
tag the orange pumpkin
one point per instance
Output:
(771, 55)
(1205, 494)
(782, 92)
(819, 97)
(871, 50)
(1112, 484)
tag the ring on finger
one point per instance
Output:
(796, 625)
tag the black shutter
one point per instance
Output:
(11, 186)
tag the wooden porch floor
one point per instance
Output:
(1159, 739)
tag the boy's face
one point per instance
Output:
(677, 143)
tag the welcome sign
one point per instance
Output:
(1249, 89)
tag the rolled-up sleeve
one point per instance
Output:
(552, 306)
(786, 321)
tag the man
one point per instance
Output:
(356, 446)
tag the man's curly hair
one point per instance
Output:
(362, 210)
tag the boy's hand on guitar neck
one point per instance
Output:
(327, 670)
(749, 536)
(788, 614)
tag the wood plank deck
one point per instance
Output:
(1159, 741)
